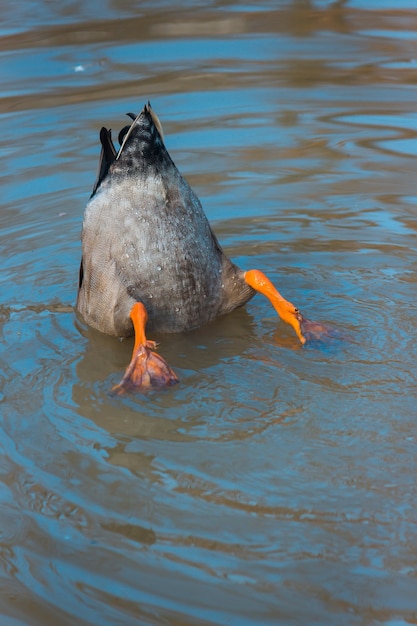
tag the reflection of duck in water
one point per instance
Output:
(150, 258)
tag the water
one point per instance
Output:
(275, 484)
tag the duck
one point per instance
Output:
(150, 261)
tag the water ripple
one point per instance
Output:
(275, 483)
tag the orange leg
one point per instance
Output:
(287, 311)
(146, 370)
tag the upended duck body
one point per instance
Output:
(149, 256)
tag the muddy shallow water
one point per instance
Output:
(276, 483)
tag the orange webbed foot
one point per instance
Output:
(319, 331)
(147, 370)
(306, 330)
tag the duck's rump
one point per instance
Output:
(146, 238)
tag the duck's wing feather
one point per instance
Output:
(107, 157)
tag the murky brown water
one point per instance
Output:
(275, 484)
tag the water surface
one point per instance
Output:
(275, 484)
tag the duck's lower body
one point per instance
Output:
(148, 370)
